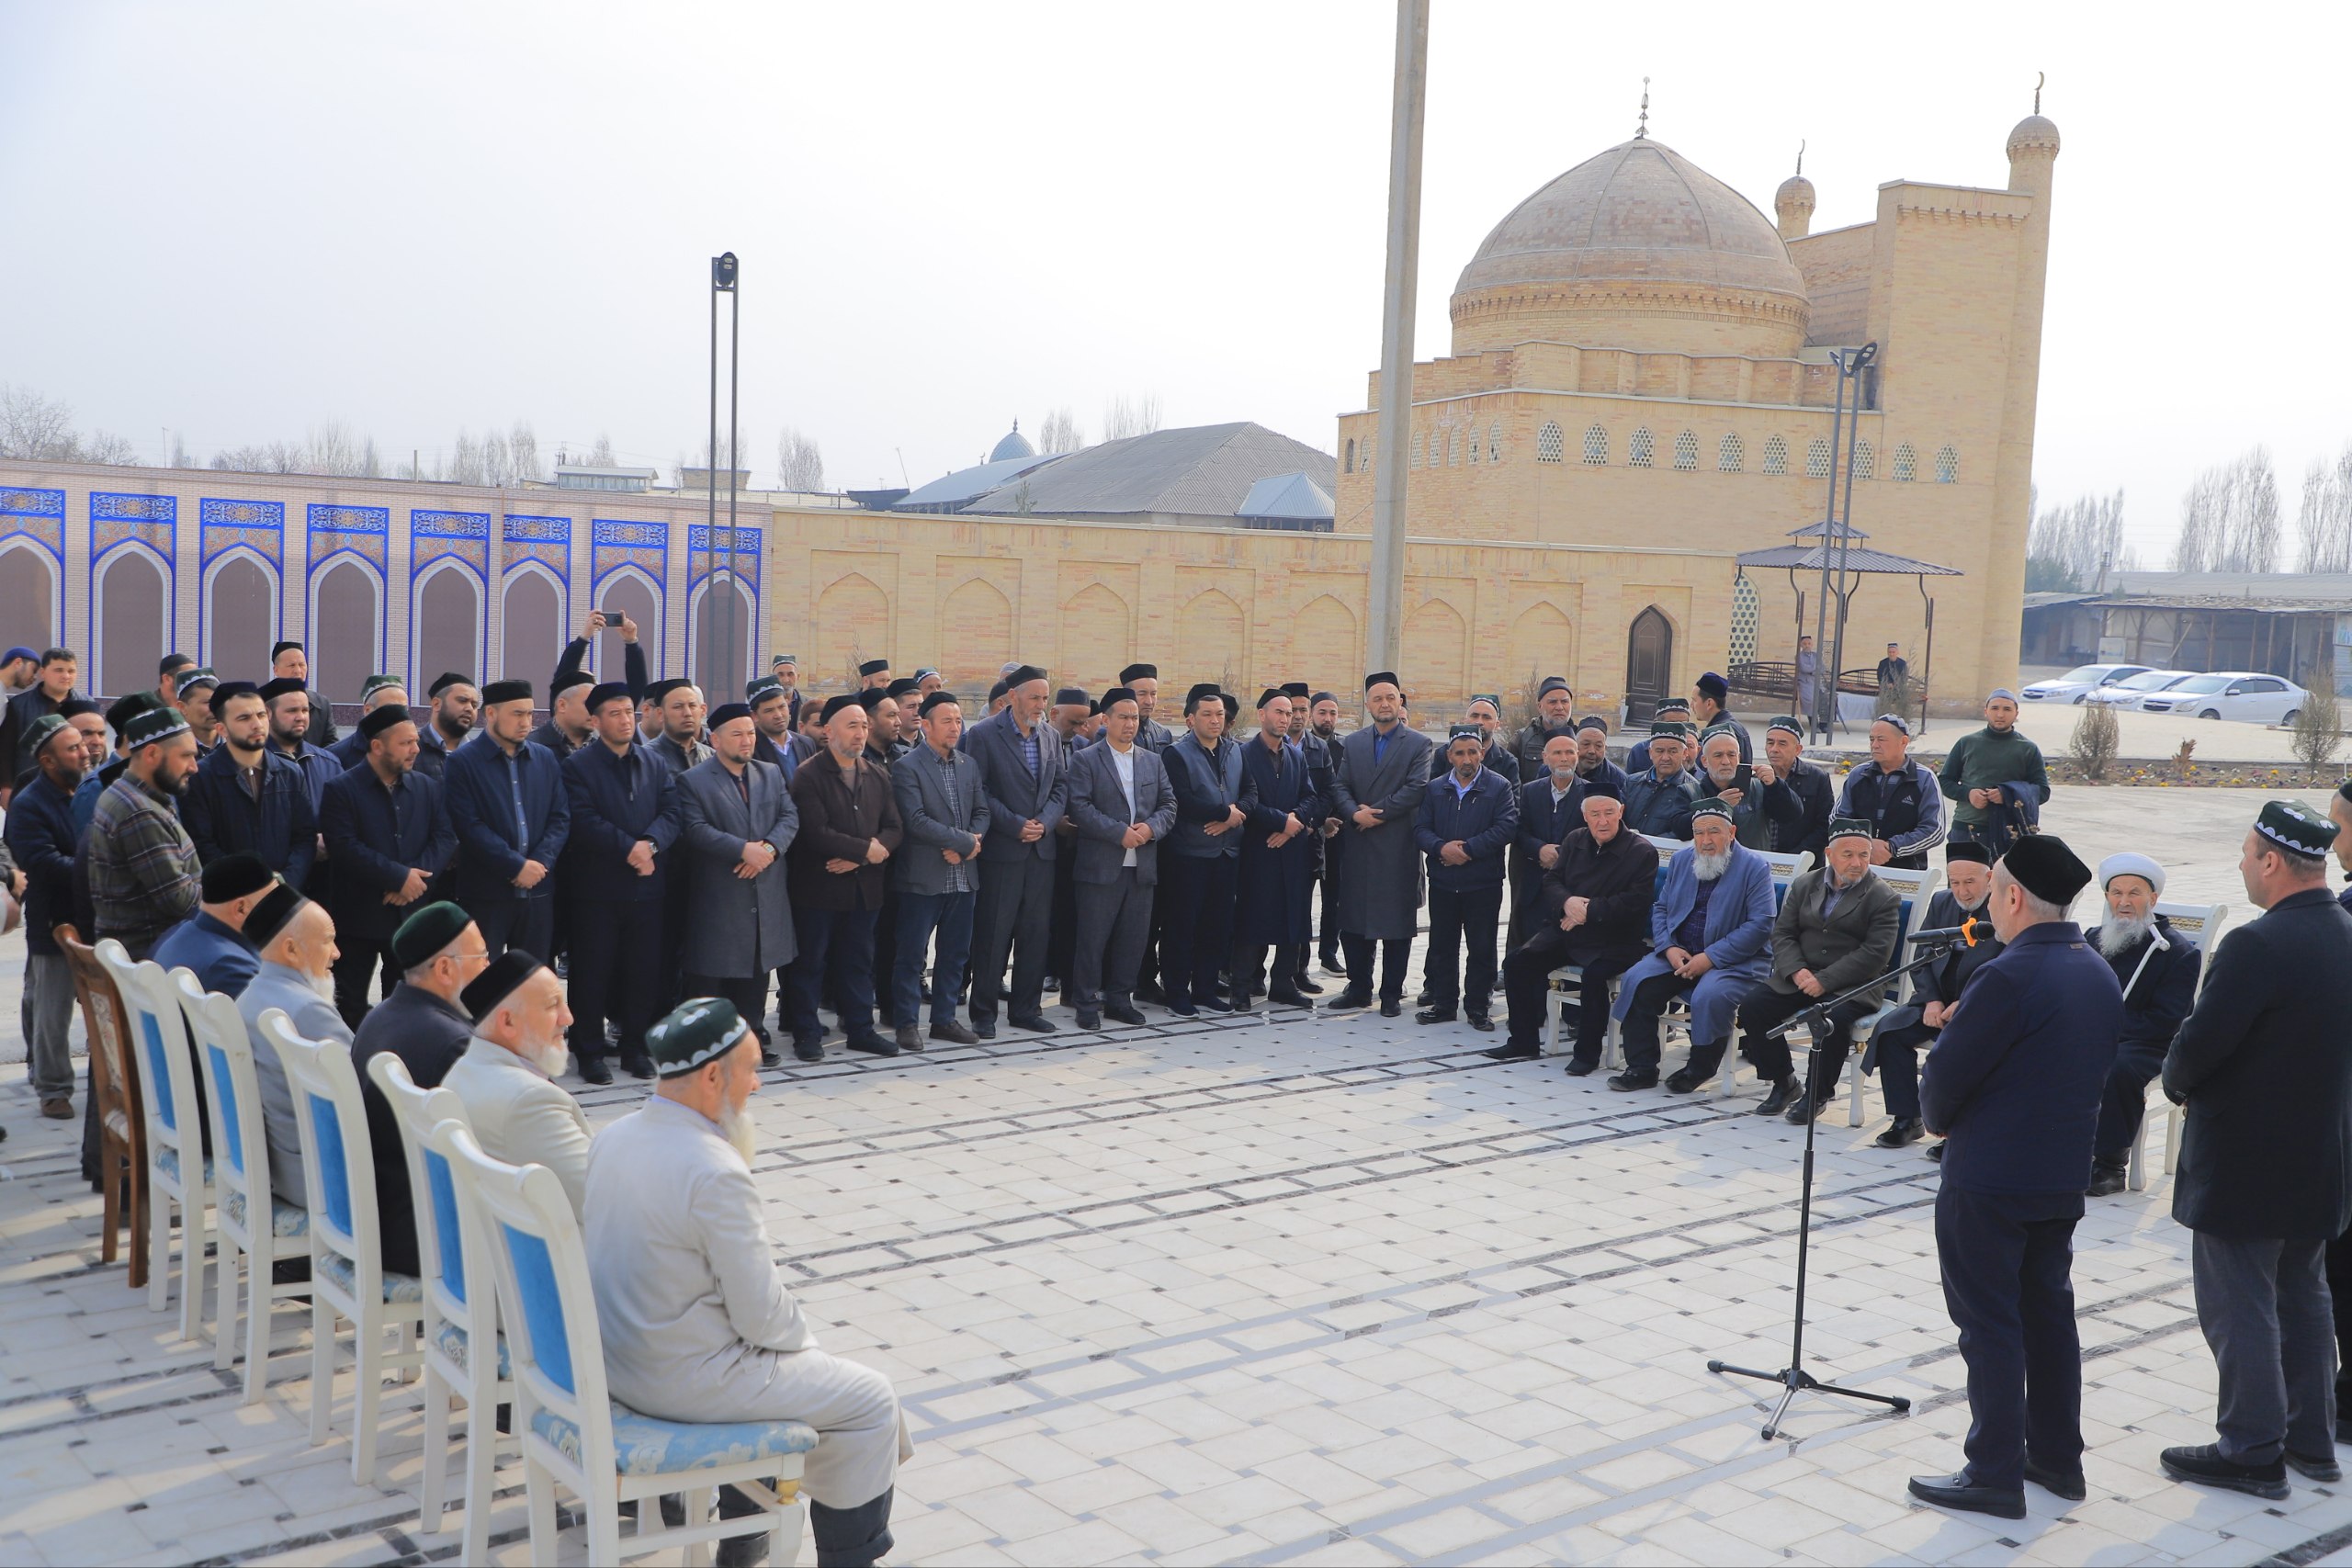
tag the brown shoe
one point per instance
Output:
(909, 1037)
(59, 1109)
(953, 1034)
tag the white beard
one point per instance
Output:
(1710, 867)
(2119, 935)
(323, 985)
(736, 1126)
(549, 1058)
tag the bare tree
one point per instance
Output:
(799, 465)
(1122, 416)
(523, 449)
(601, 454)
(497, 464)
(2229, 518)
(2077, 545)
(103, 446)
(36, 427)
(2324, 530)
(179, 457)
(465, 466)
(1060, 433)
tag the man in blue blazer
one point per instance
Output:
(1024, 771)
(1711, 935)
(613, 880)
(210, 943)
(508, 805)
(1467, 820)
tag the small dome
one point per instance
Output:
(1014, 445)
(1796, 191)
(2035, 132)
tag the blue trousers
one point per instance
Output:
(836, 947)
(919, 915)
(2008, 1266)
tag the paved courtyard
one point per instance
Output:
(1305, 1291)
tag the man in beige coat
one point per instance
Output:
(507, 1076)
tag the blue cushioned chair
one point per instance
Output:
(257, 1227)
(347, 1278)
(178, 1176)
(573, 1431)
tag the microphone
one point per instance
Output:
(1960, 935)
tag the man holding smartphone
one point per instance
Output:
(576, 652)
(1737, 784)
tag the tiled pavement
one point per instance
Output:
(1315, 1290)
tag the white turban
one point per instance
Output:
(2129, 864)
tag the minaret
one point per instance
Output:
(2033, 155)
(1792, 203)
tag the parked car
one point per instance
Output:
(2247, 694)
(2078, 683)
(2127, 692)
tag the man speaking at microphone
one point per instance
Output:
(2013, 1084)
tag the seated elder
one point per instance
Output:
(698, 1324)
(1593, 909)
(296, 941)
(1835, 930)
(506, 1076)
(1902, 1033)
(1709, 931)
(2156, 966)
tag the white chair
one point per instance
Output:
(460, 1308)
(1914, 888)
(178, 1176)
(241, 1184)
(347, 1277)
(573, 1431)
(2200, 923)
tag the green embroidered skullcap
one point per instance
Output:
(1850, 828)
(2296, 829)
(427, 932)
(156, 724)
(692, 1034)
(1711, 806)
(375, 683)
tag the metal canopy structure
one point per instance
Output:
(1840, 563)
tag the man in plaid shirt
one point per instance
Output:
(143, 869)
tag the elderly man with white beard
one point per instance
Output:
(1709, 935)
(296, 941)
(507, 1076)
(698, 1323)
(2157, 968)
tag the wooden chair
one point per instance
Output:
(123, 1115)
(574, 1433)
(178, 1173)
(2202, 924)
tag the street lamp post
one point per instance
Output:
(723, 272)
(1850, 364)
(1383, 624)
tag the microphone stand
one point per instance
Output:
(1794, 1378)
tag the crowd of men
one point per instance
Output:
(625, 879)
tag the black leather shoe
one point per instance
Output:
(1149, 991)
(1213, 1003)
(767, 1059)
(1902, 1133)
(984, 1028)
(1509, 1053)
(1348, 1001)
(1034, 1022)
(2106, 1180)
(1684, 1081)
(2066, 1483)
(1434, 1015)
(2313, 1467)
(1089, 1019)
(1936, 1152)
(953, 1034)
(808, 1050)
(909, 1038)
(1119, 1010)
(1421, 997)
(1391, 1009)
(2204, 1464)
(1627, 1082)
(1303, 984)
(1287, 997)
(1578, 1068)
(596, 1069)
(743, 1551)
(874, 1046)
(640, 1065)
(1182, 1007)
(1806, 1109)
(1778, 1099)
(1482, 1023)
(1959, 1491)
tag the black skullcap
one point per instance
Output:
(939, 698)
(227, 689)
(904, 685)
(1604, 787)
(2045, 867)
(727, 713)
(658, 693)
(505, 691)
(233, 876)
(1232, 707)
(1713, 685)
(1968, 850)
(1119, 694)
(1323, 697)
(501, 979)
(1592, 721)
(997, 690)
(1070, 696)
(874, 667)
(1201, 692)
(834, 704)
(123, 709)
(568, 680)
(2344, 789)
(2296, 828)
(443, 682)
(284, 687)
(1135, 672)
(1710, 805)
(606, 691)
(1022, 675)
(1553, 683)
(871, 698)
(74, 708)
(377, 720)
(1377, 676)
(693, 1034)
(277, 648)
(172, 663)
(1294, 690)
(427, 932)
(270, 915)
(1270, 693)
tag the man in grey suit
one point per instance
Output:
(736, 818)
(1383, 772)
(296, 941)
(1120, 799)
(944, 814)
(1024, 770)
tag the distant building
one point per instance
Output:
(2290, 623)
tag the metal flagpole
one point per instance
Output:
(1385, 621)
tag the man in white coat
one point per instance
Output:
(507, 1076)
(697, 1322)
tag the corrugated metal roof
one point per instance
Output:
(1205, 471)
(1288, 496)
(966, 483)
(1853, 557)
(2248, 587)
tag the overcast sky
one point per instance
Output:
(237, 221)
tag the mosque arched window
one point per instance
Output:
(1865, 461)
(1437, 447)
(1414, 452)
(1596, 446)
(1494, 442)
(1349, 466)
(1776, 456)
(1369, 444)
(1946, 465)
(1547, 443)
(1642, 449)
(1731, 454)
(1906, 464)
(1816, 459)
(1453, 448)
(1686, 453)
(1473, 446)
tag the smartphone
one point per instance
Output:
(615, 617)
(1743, 777)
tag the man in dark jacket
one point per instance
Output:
(943, 814)
(569, 725)
(1555, 706)
(1025, 769)
(60, 667)
(1658, 799)
(736, 818)
(2262, 1180)
(351, 749)
(611, 882)
(1591, 910)
(246, 797)
(1900, 1036)
(1485, 711)
(456, 704)
(1467, 820)
(1200, 862)
(2157, 968)
(574, 659)
(1551, 806)
(508, 805)
(291, 661)
(1898, 798)
(1122, 806)
(1798, 796)
(2014, 1085)
(1593, 766)
(1274, 881)
(392, 840)
(849, 827)
(41, 836)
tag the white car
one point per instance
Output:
(2247, 694)
(2078, 683)
(2127, 692)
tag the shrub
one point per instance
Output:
(2318, 728)
(2098, 736)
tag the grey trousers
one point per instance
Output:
(1114, 921)
(48, 1016)
(2264, 1306)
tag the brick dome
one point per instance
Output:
(1635, 248)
